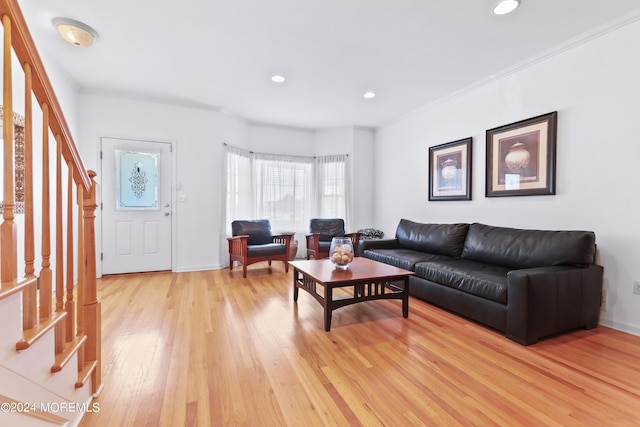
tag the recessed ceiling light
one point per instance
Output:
(75, 32)
(278, 78)
(505, 6)
(369, 95)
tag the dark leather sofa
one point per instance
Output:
(528, 284)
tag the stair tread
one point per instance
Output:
(85, 373)
(30, 336)
(70, 348)
(9, 288)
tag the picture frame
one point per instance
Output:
(521, 157)
(450, 170)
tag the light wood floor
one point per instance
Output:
(213, 349)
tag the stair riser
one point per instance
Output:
(27, 373)
(11, 321)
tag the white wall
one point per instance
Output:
(280, 140)
(362, 181)
(594, 87)
(358, 144)
(198, 136)
(195, 135)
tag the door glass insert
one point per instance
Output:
(137, 180)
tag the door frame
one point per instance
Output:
(101, 188)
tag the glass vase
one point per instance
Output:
(341, 252)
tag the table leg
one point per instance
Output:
(405, 299)
(295, 285)
(328, 300)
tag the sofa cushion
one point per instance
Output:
(401, 258)
(443, 239)
(259, 231)
(517, 248)
(483, 280)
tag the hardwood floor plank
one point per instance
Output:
(211, 348)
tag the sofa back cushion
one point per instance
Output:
(443, 239)
(517, 248)
(259, 231)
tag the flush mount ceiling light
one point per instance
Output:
(75, 32)
(505, 6)
(369, 95)
(278, 78)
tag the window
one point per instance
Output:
(287, 190)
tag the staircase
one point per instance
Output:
(50, 370)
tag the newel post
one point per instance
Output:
(91, 305)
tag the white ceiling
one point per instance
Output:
(222, 53)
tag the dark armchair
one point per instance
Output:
(322, 231)
(253, 242)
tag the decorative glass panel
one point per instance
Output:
(137, 180)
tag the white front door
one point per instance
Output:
(136, 205)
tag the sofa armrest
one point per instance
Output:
(377, 244)
(549, 300)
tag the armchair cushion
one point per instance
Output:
(259, 231)
(328, 228)
(269, 249)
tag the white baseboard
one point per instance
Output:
(187, 269)
(623, 327)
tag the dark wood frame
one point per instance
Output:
(238, 252)
(460, 152)
(371, 280)
(537, 136)
(313, 242)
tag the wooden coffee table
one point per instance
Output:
(371, 280)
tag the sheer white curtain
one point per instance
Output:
(283, 190)
(239, 200)
(332, 187)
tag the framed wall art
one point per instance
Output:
(450, 171)
(521, 157)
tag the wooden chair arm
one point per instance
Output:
(283, 238)
(283, 235)
(355, 240)
(312, 240)
(238, 244)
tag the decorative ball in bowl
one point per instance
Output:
(341, 252)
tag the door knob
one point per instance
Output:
(167, 213)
